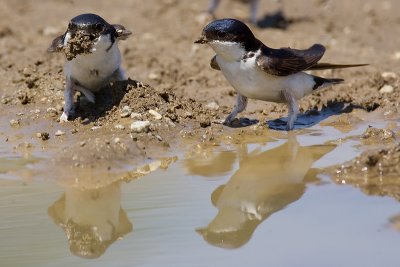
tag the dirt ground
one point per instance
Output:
(171, 76)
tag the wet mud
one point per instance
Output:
(173, 100)
(79, 43)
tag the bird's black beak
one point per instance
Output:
(202, 40)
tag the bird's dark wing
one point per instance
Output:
(122, 32)
(57, 44)
(214, 64)
(286, 61)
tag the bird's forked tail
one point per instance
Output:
(323, 82)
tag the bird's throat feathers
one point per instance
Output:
(229, 51)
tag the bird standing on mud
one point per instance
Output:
(93, 58)
(258, 72)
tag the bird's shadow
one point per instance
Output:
(278, 20)
(106, 99)
(312, 117)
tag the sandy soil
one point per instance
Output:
(171, 76)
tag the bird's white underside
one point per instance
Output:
(247, 78)
(95, 70)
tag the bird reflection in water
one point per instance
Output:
(90, 212)
(92, 219)
(265, 183)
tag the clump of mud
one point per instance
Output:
(375, 172)
(375, 135)
(79, 43)
(142, 98)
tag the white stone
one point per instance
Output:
(119, 127)
(386, 89)
(126, 112)
(14, 122)
(140, 126)
(51, 110)
(155, 114)
(135, 115)
(212, 106)
(59, 133)
(153, 76)
(389, 75)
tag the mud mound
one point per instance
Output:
(368, 92)
(375, 172)
(140, 101)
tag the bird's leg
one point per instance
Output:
(212, 7)
(87, 93)
(253, 11)
(69, 92)
(119, 75)
(293, 108)
(241, 104)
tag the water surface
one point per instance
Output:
(256, 204)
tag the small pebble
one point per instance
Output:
(212, 106)
(155, 114)
(20, 114)
(35, 111)
(82, 144)
(188, 114)
(153, 76)
(159, 138)
(14, 122)
(135, 115)
(386, 89)
(27, 72)
(389, 75)
(117, 140)
(5, 100)
(51, 110)
(59, 133)
(140, 126)
(94, 128)
(119, 127)
(125, 112)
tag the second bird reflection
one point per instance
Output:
(265, 183)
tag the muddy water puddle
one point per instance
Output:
(264, 203)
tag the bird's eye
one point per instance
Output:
(99, 26)
(221, 34)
